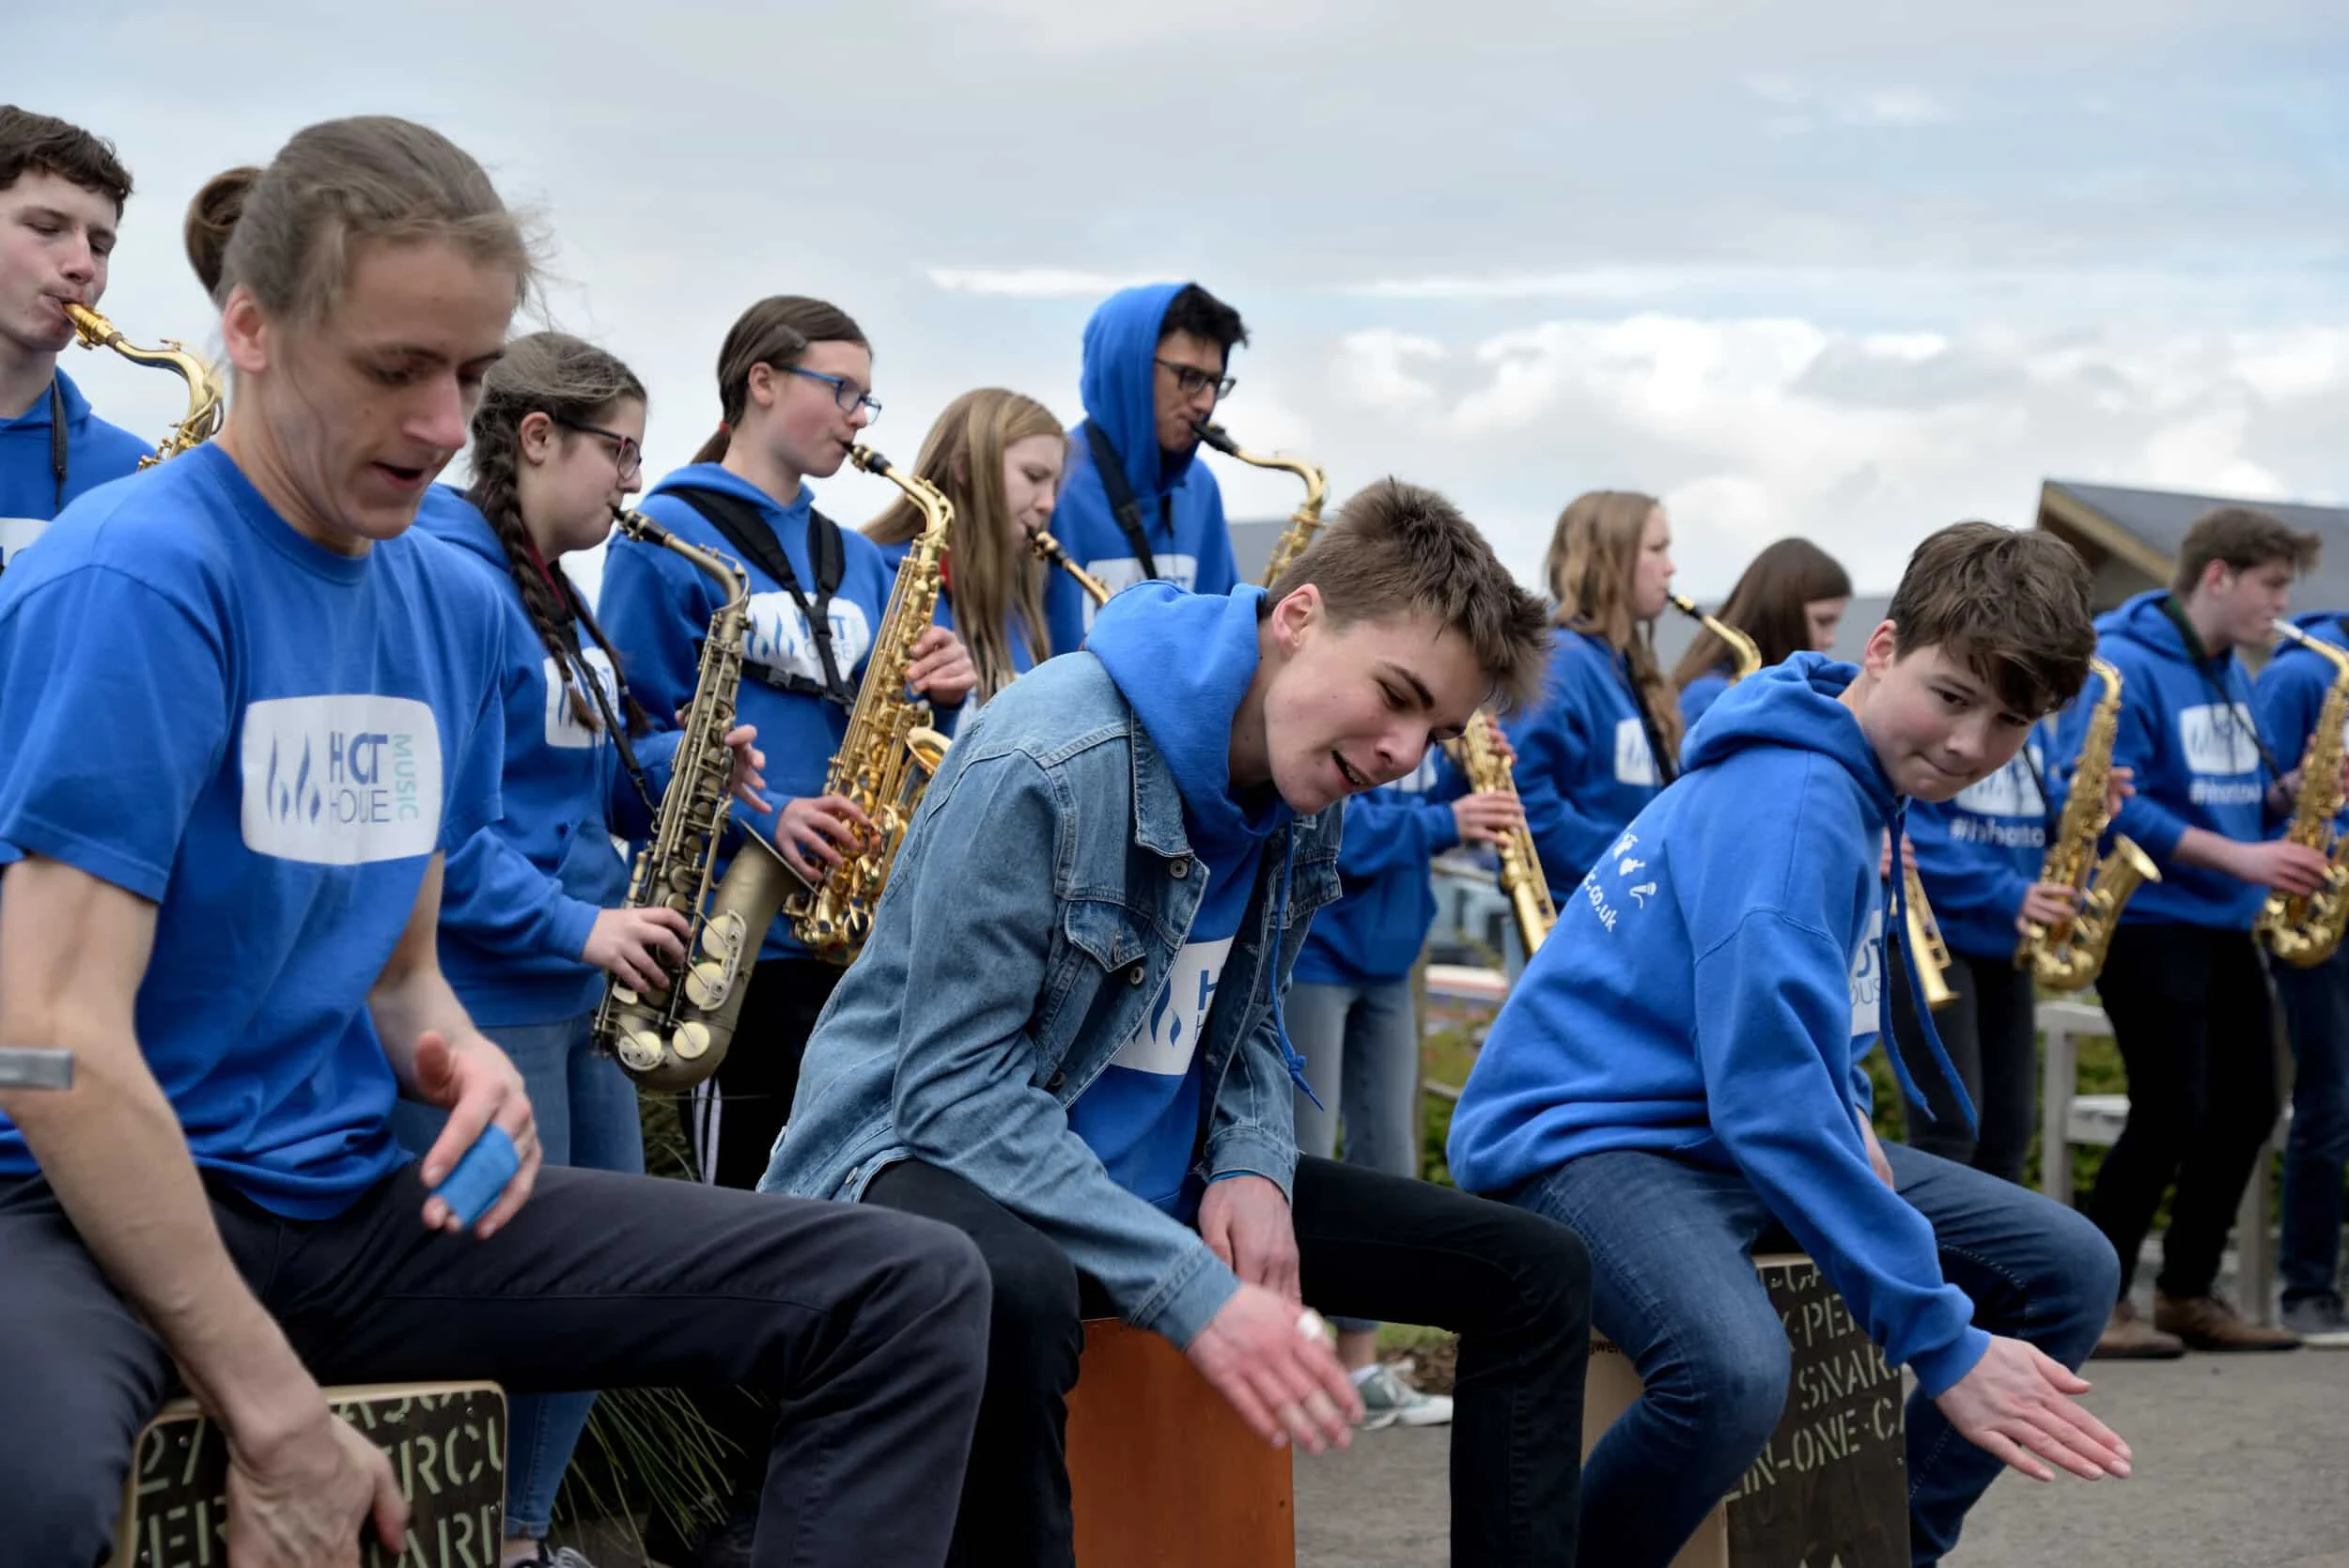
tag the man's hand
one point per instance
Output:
(814, 833)
(1284, 1381)
(2017, 1405)
(1245, 1219)
(1884, 858)
(749, 761)
(1487, 819)
(2118, 788)
(2047, 903)
(1877, 1161)
(631, 944)
(478, 1086)
(300, 1503)
(2281, 865)
(941, 669)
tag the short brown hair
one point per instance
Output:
(40, 144)
(2240, 537)
(2011, 606)
(1397, 550)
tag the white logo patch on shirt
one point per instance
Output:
(340, 780)
(1118, 572)
(2012, 791)
(1634, 763)
(563, 723)
(1167, 1046)
(18, 534)
(778, 638)
(1867, 978)
(2219, 738)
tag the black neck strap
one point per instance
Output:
(753, 539)
(1123, 506)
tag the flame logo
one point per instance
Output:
(297, 795)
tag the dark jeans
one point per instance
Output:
(1516, 1286)
(1993, 1040)
(739, 1112)
(2316, 1150)
(866, 1329)
(2189, 1010)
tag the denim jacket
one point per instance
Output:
(1035, 908)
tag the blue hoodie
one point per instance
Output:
(2290, 691)
(1185, 662)
(1979, 853)
(1700, 694)
(655, 605)
(1373, 935)
(1708, 993)
(95, 451)
(520, 897)
(1182, 507)
(2197, 761)
(1584, 767)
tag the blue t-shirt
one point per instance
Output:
(294, 734)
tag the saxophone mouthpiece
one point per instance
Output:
(869, 460)
(1216, 436)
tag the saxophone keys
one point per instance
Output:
(639, 1049)
(693, 1041)
(707, 985)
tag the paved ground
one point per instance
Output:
(2242, 1462)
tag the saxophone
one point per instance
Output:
(2303, 929)
(886, 758)
(1741, 647)
(676, 1040)
(1303, 522)
(1052, 553)
(204, 392)
(1480, 759)
(2067, 957)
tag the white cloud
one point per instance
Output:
(1898, 106)
(1374, 368)
(1031, 282)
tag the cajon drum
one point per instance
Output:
(1163, 1472)
(1832, 1484)
(447, 1446)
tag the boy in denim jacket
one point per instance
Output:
(1064, 1033)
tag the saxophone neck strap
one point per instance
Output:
(754, 541)
(1123, 506)
(57, 438)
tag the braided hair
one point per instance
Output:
(559, 376)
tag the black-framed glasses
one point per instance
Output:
(846, 393)
(1193, 380)
(627, 454)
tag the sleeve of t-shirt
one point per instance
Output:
(113, 717)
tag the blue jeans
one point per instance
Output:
(1361, 1045)
(586, 1112)
(1673, 1282)
(2316, 1150)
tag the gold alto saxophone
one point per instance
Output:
(2303, 929)
(1303, 522)
(1741, 647)
(886, 758)
(2068, 956)
(205, 406)
(1480, 759)
(1052, 553)
(676, 1039)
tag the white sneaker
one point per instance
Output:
(1389, 1401)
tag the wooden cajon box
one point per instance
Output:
(1830, 1488)
(1162, 1471)
(447, 1445)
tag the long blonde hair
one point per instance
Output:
(989, 575)
(1594, 553)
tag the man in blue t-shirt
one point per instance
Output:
(62, 192)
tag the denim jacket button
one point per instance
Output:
(1133, 976)
(1181, 869)
(1053, 1085)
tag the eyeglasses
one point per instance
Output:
(1193, 380)
(846, 393)
(627, 455)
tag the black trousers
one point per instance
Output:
(2191, 1012)
(868, 1329)
(1515, 1286)
(738, 1112)
(1993, 1040)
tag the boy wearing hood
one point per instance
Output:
(1065, 1035)
(1677, 1073)
(2182, 983)
(61, 196)
(2291, 692)
(1138, 502)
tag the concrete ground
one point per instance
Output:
(2241, 1462)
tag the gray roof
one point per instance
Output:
(2131, 537)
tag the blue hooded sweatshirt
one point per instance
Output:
(1374, 933)
(31, 492)
(1184, 661)
(1182, 507)
(1979, 853)
(2188, 732)
(1584, 767)
(2290, 691)
(519, 897)
(1700, 694)
(1708, 993)
(655, 605)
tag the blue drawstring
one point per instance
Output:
(1279, 1021)
(1899, 935)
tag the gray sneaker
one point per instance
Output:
(2319, 1321)
(1389, 1401)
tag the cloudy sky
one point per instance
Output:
(1832, 266)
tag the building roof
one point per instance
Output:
(2130, 538)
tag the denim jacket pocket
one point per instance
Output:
(1106, 932)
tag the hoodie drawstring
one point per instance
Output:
(1898, 937)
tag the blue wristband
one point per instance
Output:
(473, 1187)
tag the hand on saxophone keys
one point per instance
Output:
(942, 669)
(816, 832)
(1488, 817)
